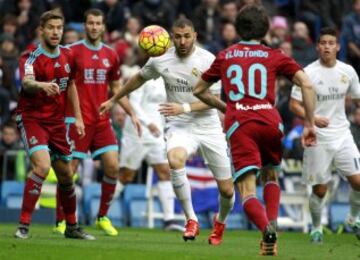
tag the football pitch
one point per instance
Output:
(157, 244)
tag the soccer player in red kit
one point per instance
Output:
(47, 84)
(253, 126)
(96, 68)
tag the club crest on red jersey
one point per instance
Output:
(106, 63)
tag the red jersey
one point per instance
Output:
(248, 73)
(45, 67)
(94, 69)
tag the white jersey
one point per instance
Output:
(180, 76)
(331, 87)
(145, 102)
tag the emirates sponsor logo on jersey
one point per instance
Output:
(106, 63)
(57, 65)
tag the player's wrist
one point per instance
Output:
(186, 107)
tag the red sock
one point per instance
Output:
(271, 194)
(32, 192)
(107, 192)
(255, 212)
(60, 216)
(68, 201)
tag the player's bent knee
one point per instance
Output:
(41, 169)
(176, 161)
(320, 190)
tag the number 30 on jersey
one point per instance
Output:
(235, 74)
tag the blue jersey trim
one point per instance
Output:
(79, 155)
(240, 172)
(92, 47)
(70, 120)
(38, 148)
(104, 150)
(48, 54)
(250, 42)
(232, 129)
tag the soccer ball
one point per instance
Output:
(154, 40)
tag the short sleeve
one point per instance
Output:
(287, 66)
(296, 93)
(148, 71)
(354, 85)
(26, 67)
(213, 74)
(114, 73)
(72, 63)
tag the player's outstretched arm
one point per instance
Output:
(133, 83)
(174, 109)
(201, 91)
(303, 81)
(73, 97)
(31, 85)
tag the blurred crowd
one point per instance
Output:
(295, 25)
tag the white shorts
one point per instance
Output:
(319, 161)
(212, 145)
(134, 152)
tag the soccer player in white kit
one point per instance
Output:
(332, 80)
(190, 124)
(150, 146)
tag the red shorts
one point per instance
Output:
(99, 138)
(39, 135)
(253, 146)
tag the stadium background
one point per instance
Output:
(295, 25)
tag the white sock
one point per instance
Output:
(316, 205)
(225, 206)
(166, 196)
(118, 189)
(182, 190)
(354, 204)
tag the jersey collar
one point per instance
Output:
(48, 54)
(92, 47)
(249, 42)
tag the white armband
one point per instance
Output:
(186, 107)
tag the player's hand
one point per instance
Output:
(80, 127)
(154, 130)
(106, 106)
(309, 136)
(321, 121)
(136, 122)
(171, 109)
(51, 88)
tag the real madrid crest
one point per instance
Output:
(195, 72)
(344, 79)
(106, 63)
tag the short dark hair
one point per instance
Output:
(94, 12)
(252, 22)
(49, 15)
(328, 31)
(182, 22)
(9, 124)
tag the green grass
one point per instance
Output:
(157, 244)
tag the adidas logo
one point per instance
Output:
(95, 57)
(34, 192)
(57, 65)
